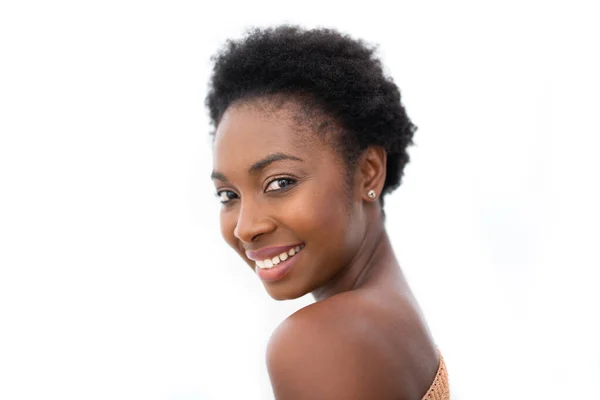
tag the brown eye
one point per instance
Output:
(279, 184)
(226, 196)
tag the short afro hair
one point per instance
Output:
(320, 68)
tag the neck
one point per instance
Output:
(374, 258)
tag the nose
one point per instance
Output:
(252, 222)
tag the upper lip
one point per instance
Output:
(269, 252)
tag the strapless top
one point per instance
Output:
(440, 388)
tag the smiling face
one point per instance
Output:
(285, 195)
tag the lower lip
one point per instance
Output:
(278, 271)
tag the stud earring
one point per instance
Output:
(371, 194)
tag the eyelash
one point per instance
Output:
(225, 193)
(220, 194)
(290, 180)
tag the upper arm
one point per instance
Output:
(307, 360)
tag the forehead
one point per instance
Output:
(248, 132)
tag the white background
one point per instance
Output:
(114, 281)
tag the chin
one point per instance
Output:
(281, 292)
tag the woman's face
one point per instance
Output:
(284, 189)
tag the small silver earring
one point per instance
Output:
(371, 194)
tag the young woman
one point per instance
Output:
(310, 135)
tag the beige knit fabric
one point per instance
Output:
(439, 389)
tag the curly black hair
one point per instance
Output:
(325, 70)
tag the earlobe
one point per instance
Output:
(374, 162)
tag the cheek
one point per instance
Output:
(228, 222)
(320, 215)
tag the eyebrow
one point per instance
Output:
(271, 158)
(259, 165)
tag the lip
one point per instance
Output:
(269, 252)
(278, 271)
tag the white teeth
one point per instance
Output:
(271, 262)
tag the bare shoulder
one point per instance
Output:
(338, 348)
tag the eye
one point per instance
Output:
(279, 183)
(226, 196)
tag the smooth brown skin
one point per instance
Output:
(364, 337)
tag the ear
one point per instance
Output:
(372, 168)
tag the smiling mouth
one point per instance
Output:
(269, 263)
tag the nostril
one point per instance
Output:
(248, 234)
(252, 222)
(255, 236)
